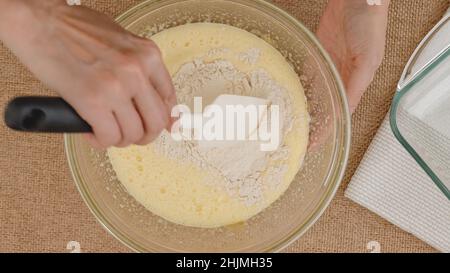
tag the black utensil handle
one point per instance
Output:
(44, 114)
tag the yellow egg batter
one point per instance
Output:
(176, 189)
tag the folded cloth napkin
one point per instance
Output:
(390, 182)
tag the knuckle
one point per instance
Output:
(114, 139)
(109, 140)
(114, 86)
(136, 136)
(94, 100)
(154, 60)
(130, 63)
(118, 94)
(150, 46)
(147, 139)
(148, 42)
(106, 82)
(109, 86)
(153, 55)
(129, 60)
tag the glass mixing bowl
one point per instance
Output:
(309, 194)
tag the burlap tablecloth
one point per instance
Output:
(41, 210)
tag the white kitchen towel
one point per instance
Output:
(390, 182)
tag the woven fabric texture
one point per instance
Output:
(41, 210)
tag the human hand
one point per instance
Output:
(354, 34)
(115, 80)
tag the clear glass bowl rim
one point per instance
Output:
(341, 153)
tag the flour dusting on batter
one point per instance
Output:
(242, 166)
(214, 186)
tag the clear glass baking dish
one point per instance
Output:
(420, 118)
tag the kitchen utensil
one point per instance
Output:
(44, 114)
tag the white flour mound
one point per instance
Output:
(243, 170)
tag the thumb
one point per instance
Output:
(357, 83)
